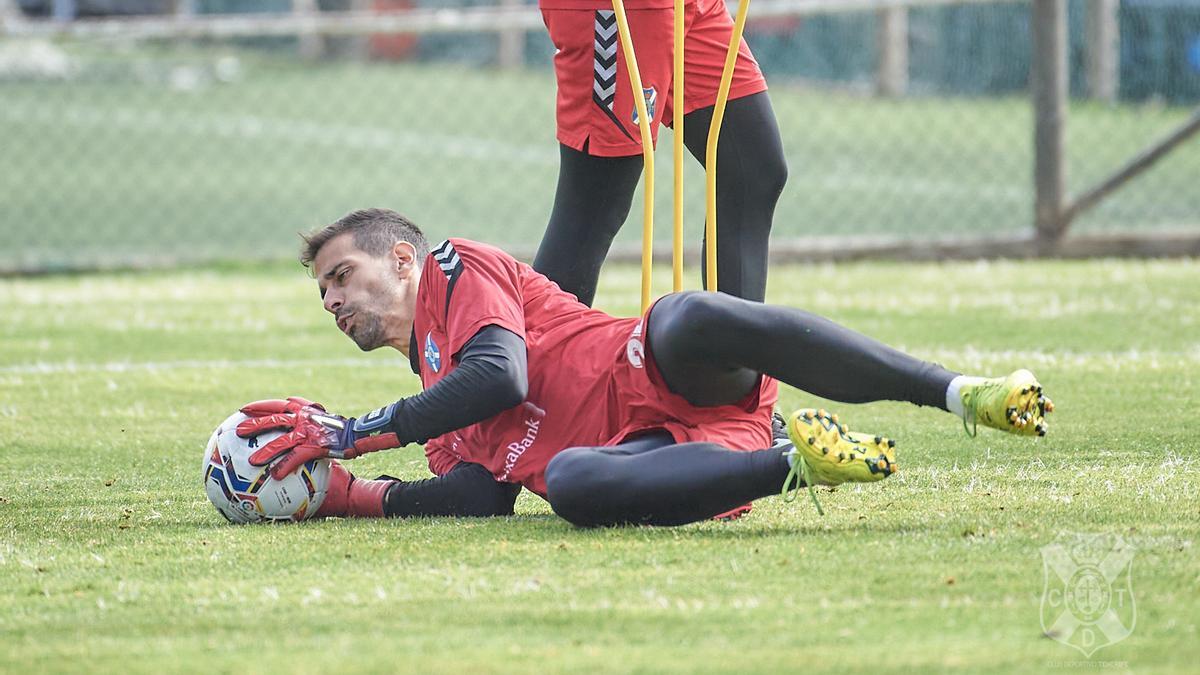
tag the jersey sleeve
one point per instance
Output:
(482, 287)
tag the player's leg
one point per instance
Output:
(711, 347)
(751, 173)
(654, 481)
(751, 167)
(590, 204)
(594, 195)
(601, 149)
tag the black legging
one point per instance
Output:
(654, 481)
(711, 349)
(594, 195)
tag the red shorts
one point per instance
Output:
(595, 101)
(626, 398)
(647, 404)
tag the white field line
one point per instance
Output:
(983, 361)
(70, 367)
(906, 186)
(956, 358)
(434, 145)
(255, 127)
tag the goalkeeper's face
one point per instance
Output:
(372, 298)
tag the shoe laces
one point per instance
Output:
(971, 399)
(969, 412)
(799, 471)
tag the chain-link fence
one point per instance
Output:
(183, 144)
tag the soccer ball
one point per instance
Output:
(247, 494)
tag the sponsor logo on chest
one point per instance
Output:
(532, 425)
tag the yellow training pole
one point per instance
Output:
(639, 102)
(677, 126)
(710, 154)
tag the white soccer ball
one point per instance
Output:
(247, 494)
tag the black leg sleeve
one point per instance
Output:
(590, 205)
(751, 173)
(467, 490)
(594, 195)
(668, 485)
(710, 348)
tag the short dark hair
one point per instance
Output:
(375, 232)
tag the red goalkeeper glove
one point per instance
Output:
(312, 433)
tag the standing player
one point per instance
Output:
(600, 145)
(611, 420)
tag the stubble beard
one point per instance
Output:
(368, 330)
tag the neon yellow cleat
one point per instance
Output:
(1014, 404)
(826, 452)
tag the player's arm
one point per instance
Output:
(491, 377)
(467, 490)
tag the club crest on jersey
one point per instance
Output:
(651, 95)
(433, 356)
(635, 351)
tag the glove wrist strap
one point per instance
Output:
(373, 443)
(372, 432)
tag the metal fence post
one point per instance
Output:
(1048, 80)
(10, 15)
(312, 43)
(1103, 48)
(891, 79)
(65, 10)
(512, 42)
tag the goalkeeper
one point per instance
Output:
(662, 419)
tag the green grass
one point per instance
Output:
(111, 558)
(117, 163)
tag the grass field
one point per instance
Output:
(112, 560)
(188, 153)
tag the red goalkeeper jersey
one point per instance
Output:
(591, 382)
